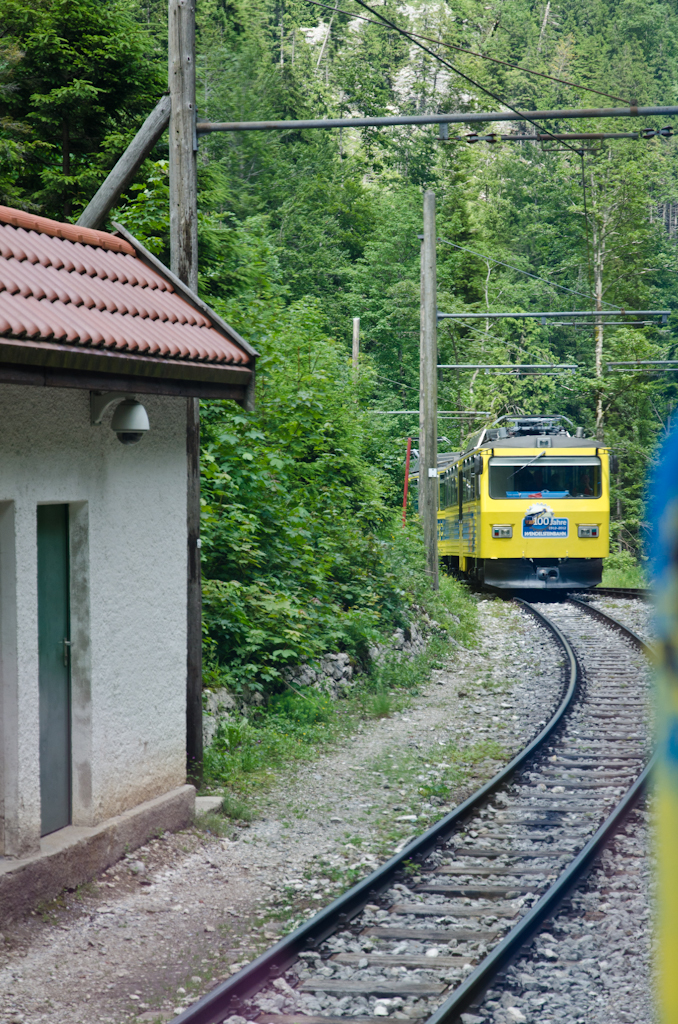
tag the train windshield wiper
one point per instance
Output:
(526, 464)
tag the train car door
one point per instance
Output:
(460, 493)
(54, 667)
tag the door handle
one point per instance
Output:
(67, 651)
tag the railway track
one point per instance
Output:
(424, 935)
(639, 593)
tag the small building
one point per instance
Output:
(98, 343)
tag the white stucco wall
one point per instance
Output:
(128, 591)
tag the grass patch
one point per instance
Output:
(379, 704)
(292, 728)
(236, 808)
(620, 569)
(233, 810)
(295, 728)
(214, 824)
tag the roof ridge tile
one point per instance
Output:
(68, 232)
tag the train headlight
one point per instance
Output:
(587, 530)
(502, 531)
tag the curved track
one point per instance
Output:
(426, 932)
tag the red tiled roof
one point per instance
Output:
(87, 289)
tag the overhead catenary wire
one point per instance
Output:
(398, 384)
(488, 92)
(544, 280)
(544, 314)
(494, 137)
(514, 369)
(476, 85)
(644, 366)
(609, 323)
(441, 412)
(473, 53)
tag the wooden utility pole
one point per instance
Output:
(428, 390)
(183, 145)
(356, 344)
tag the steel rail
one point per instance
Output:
(504, 951)
(486, 971)
(613, 623)
(204, 127)
(643, 593)
(228, 996)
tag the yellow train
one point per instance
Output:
(525, 506)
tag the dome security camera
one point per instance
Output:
(130, 421)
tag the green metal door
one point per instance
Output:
(54, 667)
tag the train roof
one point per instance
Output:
(516, 432)
(523, 431)
(445, 459)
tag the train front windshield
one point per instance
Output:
(545, 476)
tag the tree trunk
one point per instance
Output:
(599, 355)
(543, 26)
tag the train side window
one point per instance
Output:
(469, 489)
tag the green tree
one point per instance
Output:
(86, 77)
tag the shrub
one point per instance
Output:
(621, 569)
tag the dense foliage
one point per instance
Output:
(75, 82)
(301, 231)
(292, 563)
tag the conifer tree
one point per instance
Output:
(85, 77)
